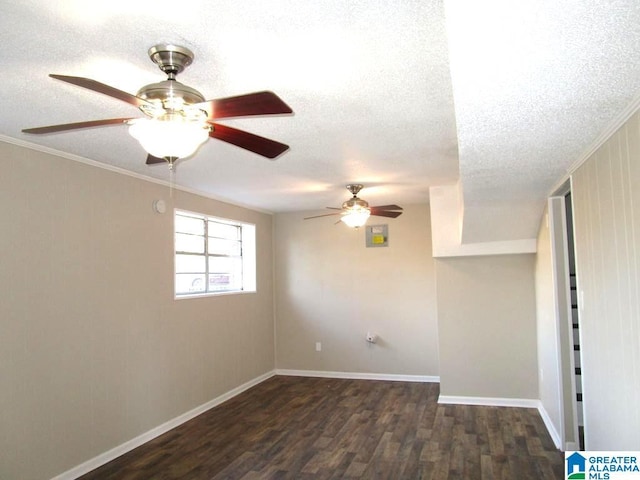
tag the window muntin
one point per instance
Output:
(213, 255)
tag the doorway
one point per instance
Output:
(575, 319)
(567, 320)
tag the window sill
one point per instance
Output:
(212, 294)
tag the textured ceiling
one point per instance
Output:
(531, 85)
(535, 83)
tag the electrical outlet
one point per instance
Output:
(318, 347)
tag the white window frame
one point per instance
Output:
(248, 255)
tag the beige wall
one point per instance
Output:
(606, 200)
(547, 328)
(94, 350)
(553, 313)
(487, 326)
(331, 289)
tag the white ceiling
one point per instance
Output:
(502, 95)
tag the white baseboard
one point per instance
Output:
(359, 376)
(112, 454)
(489, 401)
(550, 427)
(507, 402)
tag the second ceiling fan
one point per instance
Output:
(178, 119)
(355, 211)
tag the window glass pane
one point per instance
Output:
(220, 282)
(219, 246)
(186, 224)
(190, 283)
(223, 264)
(191, 264)
(189, 243)
(223, 230)
(225, 273)
(210, 255)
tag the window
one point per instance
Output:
(213, 255)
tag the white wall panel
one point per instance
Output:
(606, 193)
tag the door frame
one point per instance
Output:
(564, 324)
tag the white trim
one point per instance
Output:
(550, 427)
(506, 402)
(489, 401)
(562, 188)
(507, 247)
(359, 376)
(567, 317)
(122, 171)
(571, 447)
(106, 457)
(600, 140)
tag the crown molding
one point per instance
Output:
(122, 171)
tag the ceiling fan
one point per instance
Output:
(355, 211)
(177, 118)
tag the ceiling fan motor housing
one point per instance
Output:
(171, 94)
(355, 203)
(170, 89)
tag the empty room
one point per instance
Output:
(318, 240)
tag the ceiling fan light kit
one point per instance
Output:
(357, 210)
(169, 139)
(356, 218)
(177, 118)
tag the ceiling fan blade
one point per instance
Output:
(73, 126)
(259, 103)
(388, 207)
(151, 160)
(325, 215)
(102, 88)
(248, 141)
(385, 213)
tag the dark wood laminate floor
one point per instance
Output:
(315, 428)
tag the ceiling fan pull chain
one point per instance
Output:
(172, 173)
